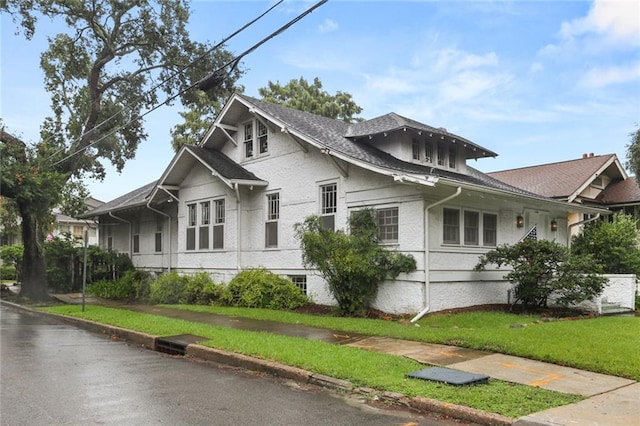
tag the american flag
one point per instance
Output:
(532, 234)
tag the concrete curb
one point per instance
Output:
(421, 404)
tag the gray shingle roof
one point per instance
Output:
(624, 191)
(135, 198)
(222, 164)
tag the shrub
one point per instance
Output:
(168, 288)
(116, 290)
(352, 264)
(542, 268)
(613, 245)
(8, 272)
(201, 290)
(260, 288)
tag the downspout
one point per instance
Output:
(236, 187)
(582, 222)
(168, 216)
(130, 242)
(425, 295)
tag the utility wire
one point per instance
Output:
(158, 85)
(233, 62)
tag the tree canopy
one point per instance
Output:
(116, 62)
(633, 153)
(300, 95)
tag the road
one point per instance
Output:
(52, 373)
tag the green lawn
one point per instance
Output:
(608, 345)
(363, 368)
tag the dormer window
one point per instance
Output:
(441, 155)
(415, 149)
(428, 152)
(256, 138)
(452, 157)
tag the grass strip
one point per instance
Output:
(608, 345)
(363, 368)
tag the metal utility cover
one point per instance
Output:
(449, 376)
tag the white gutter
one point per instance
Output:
(169, 221)
(130, 242)
(425, 295)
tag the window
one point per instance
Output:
(441, 154)
(78, 233)
(109, 237)
(471, 228)
(136, 236)
(218, 224)
(329, 204)
(452, 157)
(489, 229)
(474, 225)
(415, 149)
(273, 214)
(388, 225)
(451, 226)
(191, 227)
(263, 138)
(205, 221)
(428, 152)
(158, 242)
(248, 140)
(299, 281)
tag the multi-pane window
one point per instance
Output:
(135, 234)
(109, 237)
(191, 226)
(415, 149)
(388, 224)
(329, 205)
(78, 232)
(158, 241)
(218, 223)
(471, 227)
(273, 214)
(473, 224)
(452, 157)
(205, 221)
(441, 154)
(263, 138)
(248, 139)
(428, 152)
(299, 281)
(451, 226)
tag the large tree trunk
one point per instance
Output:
(34, 279)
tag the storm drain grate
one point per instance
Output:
(449, 376)
(177, 345)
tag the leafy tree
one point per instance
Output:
(111, 67)
(300, 95)
(352, 264)
(613, 245)
(541, 269)
(633, 153)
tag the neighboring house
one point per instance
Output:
(593, 180)
(77, 227)
(232, 201)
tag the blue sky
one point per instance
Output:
(536, 82)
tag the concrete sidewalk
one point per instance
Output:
(610, 400)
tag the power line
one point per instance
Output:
(158, 85)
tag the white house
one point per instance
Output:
(232, 201)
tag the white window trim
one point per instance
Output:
(461, 243)
(255, 141)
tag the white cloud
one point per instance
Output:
(616, 19)
(328, 25)
(604, 76)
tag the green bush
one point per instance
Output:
(542, 268)
(141, 282)
(115, 290)
(7, 272)
(613, 245)
(201, 290)
(352, 264)
(168, 288)
(260, 288)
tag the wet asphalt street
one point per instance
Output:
(54, 374)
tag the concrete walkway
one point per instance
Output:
(610, 400)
